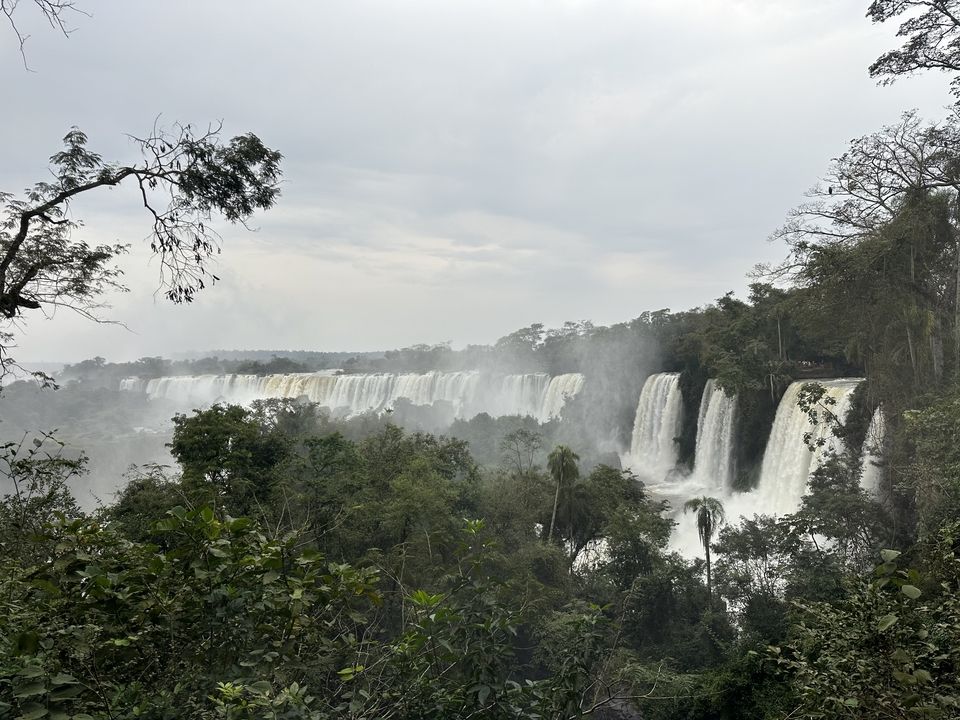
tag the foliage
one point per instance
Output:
(888, 651)
(106, 627)
(226, 456)
(185, 179)
(931, 38)
(931, 466)
(38, 475)
(228, 623)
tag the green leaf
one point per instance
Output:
(886, 569)
(425, 599)
(63, 679)
(38, 687)
(889, 555)
(348, 673)
(905, 678)
(886, 621)
(47, 586)
(261, 687)
(911, 591)
(32, 711)
(67, 692)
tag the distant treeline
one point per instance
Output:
(97, 371)
(321, 360)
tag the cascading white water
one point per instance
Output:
(787, 461)
(133, 384)
(469, 393)
(871, 458)
(785, 471)
(713, 459)
(653, 451)
(559, 390)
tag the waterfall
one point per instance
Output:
(536, 394)
(653, 452)
(133, 384)
(787, 461)
(560, 389)
(871, 458)
(713, 460)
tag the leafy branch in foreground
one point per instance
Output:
(890, 650)
(185, 179)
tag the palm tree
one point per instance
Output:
(562, 464)
(710, 517)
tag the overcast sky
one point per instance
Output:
(454, 169)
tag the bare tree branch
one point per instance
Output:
(55, 12)
(867, 186)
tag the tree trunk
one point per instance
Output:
(936, 351)
(913, 357)
(556, 500)
(779, 340)
(706, 546)
(956, 317)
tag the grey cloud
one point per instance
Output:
(457, 169)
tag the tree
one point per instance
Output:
(518, 450)
(562, 464)
(865, 188)
(228, 457)
(931, 463)
(518, 350)
(587, 506)
(752, 565)
(185, 178)
(932, 39)
(35, 478)
(710, 517)
(888, 650)
(885, 217)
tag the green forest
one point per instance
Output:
(293, 564)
